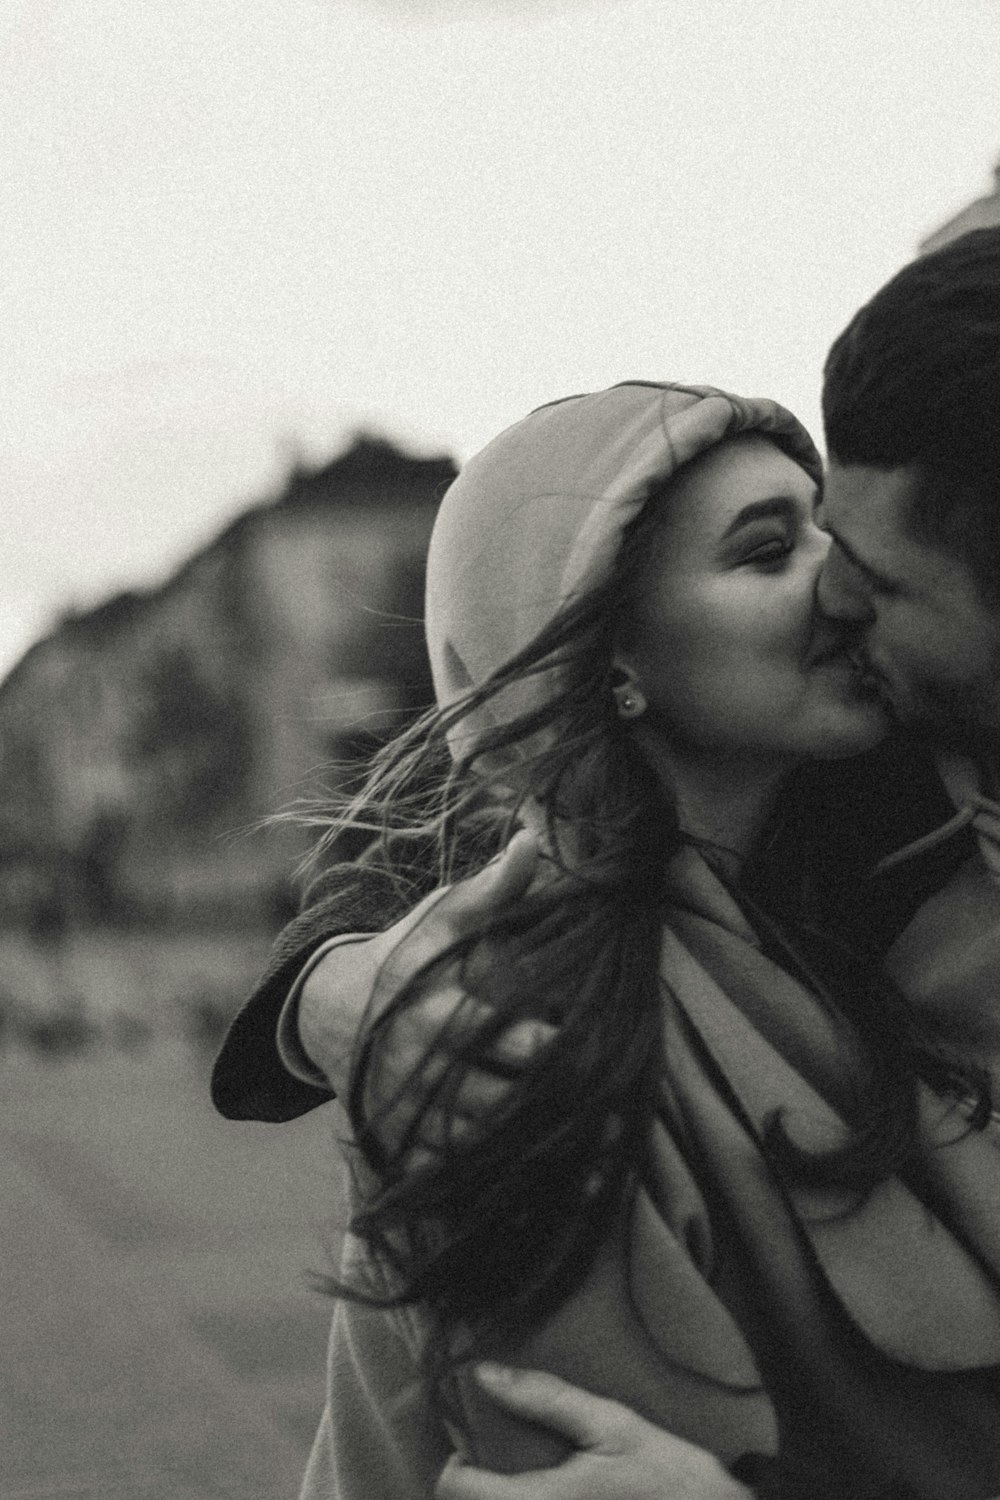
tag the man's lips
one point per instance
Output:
(832, 651)
(841, 648)
(869, 679)
(860, 663)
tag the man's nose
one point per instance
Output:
(841, 590)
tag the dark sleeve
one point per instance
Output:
(249, 1080)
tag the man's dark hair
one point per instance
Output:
(914, 380)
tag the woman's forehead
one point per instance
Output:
(712, 492)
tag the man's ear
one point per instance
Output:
(630, 700)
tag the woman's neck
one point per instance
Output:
(724, 801)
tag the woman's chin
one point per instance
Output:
(854, 717)
(852, 730)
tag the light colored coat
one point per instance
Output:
(861, 1341)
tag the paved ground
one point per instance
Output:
(158, 1336)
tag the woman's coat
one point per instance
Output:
(859, 1342)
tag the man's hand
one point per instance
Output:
(620, 1455)
(355, 983)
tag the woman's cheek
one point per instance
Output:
(792, 610)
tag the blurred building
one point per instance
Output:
(140, 741)
(981, 213)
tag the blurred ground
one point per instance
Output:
(158, 1336)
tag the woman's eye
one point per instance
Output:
(769, 554)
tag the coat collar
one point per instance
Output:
(693, 886)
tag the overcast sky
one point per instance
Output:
(234, 228)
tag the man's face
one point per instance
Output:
(924, 632)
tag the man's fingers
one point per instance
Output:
(424, 1042)
(455, 1122)
(438, 1028)
(447, 1016)
(458, 1481)
(419, 1157)
(618, 1452)
(588, 1421)
(479, 1095)
(518, 1043)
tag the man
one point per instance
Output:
(911, 407)
(912, 504)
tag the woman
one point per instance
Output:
(694, 1199)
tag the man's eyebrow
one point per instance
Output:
(782, 506)
(875, 574)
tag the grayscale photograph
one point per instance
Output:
(500, 750)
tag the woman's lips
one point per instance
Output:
(864, 680)
(820, 656)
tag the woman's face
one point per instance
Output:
(724, 641)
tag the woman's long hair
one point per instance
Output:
(497, 1229)
(501, 1224)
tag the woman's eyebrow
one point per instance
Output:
(781, 506)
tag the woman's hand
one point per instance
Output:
(620, 1455)
(354, 984)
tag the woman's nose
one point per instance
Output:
(841, 590)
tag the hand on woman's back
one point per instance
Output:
(619, 1455)
(356, 983)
